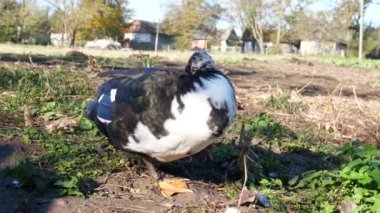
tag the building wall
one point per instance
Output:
(198, 44)
(59, 39)
(145, 41)
(138, 37)
(321, 48)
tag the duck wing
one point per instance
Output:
(132, 96)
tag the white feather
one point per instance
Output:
(100, 98)
(220, 90)
(103, 120)
(113, 94)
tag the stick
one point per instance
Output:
(245, 180)
(356, 99)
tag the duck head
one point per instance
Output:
(200, 61)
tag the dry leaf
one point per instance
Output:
(248, 196)
(27, 117)
(169, 187)
(65, 123)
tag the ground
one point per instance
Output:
(319, 107)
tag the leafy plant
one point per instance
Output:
(148, 61)
(357, 181)
(27, 175)
(265, 125)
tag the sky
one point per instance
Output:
(151, 10)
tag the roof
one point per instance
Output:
(247, 35)
(229, 35)
(201, 36)
(141, 26)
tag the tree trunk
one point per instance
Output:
(278, 32)
(257, 33)
(73, 35)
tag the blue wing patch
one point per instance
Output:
(104, 108)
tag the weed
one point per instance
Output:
(148, 61)
(30, 176)
(281, 101)
(357, 181)
(265, 126)
(233, 190)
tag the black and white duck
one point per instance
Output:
(165, 114)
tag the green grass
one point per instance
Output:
(329, 175)
(281, 101)
(75, 156)
(350, 62)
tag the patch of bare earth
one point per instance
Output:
(341, 100)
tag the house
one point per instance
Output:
(229, 40)
(199, 42)
(322, 42)
(249, 43)
(316, 47)
(58, 38)
(141, 35)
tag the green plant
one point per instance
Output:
(351, 62)
(148, 61)
(281, 101)
(264, 125)
(28, 175)
(74, 157)
(357, 181)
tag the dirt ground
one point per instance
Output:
(342, 101)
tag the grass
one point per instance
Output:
(280, 100)
(349, 62)
(174, 56)
(330, 176)
(289, 166)
(76, 156)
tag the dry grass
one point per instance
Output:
(183, 56)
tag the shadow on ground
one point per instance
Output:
(225, 169)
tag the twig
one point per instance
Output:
(242, 132)
(244, 140)
(30, 59)
(306, 85)
(245, 181)
(356, 99)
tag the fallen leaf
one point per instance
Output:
(65, 123)
(248, 196)
(169, 187)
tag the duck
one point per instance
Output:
(163, 113)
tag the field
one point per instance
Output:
(315, 148)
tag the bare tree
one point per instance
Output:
(361, 29)
(282, 5)
(251, 13)
(69, 17)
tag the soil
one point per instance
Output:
(326, 89)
